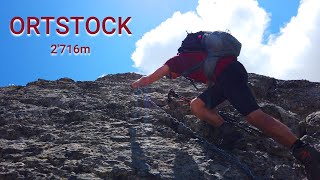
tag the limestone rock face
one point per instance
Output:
(103, 129)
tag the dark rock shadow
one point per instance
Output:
(139, 160)
(185, 167)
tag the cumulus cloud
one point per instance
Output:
(294, 53)
(290, 54)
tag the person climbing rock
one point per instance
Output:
(211, 58)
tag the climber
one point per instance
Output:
(228, 81)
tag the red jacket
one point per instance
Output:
(184, 61)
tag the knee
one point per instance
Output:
(196, 105)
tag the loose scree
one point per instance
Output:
(109, 25)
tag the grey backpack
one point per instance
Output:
(217, 44)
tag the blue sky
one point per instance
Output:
(281, 10)
(27, 58)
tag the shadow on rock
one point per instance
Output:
(185, 167)
(139, 160)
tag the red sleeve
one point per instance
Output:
(174, 64)
(180, 63)
(184, 61)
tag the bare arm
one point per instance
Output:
(156, 75)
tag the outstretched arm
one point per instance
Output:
(156, 75)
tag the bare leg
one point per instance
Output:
(199, 109)
(272, 127)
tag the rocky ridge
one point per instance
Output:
(103, 129)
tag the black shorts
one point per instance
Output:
(231, 85)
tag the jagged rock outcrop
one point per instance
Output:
(104, 130)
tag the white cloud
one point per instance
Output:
(291, 54)
(294, 54)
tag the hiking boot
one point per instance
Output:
(228, 136)
(309, 157)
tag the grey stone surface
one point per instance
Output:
(104, 130)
